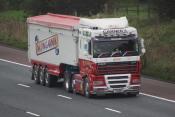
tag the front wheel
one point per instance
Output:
(87, 89)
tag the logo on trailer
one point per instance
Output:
(46, 44)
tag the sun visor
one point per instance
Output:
(105, 23)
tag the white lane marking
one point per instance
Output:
(30, 113)
(157, 97)
(23, 85)
(64, 97)
(160, 98)
(113, 110)
(15, 63)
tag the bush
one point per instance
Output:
(13, 27)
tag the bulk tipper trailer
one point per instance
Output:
(90, 56)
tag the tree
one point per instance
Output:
(165, 8)
(35, 6)
(3, 5)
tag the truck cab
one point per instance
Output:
(109, 59)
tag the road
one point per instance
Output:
(21, 97)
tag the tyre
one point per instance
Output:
(68, 81)
(87, 89)
(48, 79)
(36, 74)
(33, 71)
(41, 76)
(73, 86)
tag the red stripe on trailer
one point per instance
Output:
(54, 20)
(52, 69)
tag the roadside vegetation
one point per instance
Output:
(13, 29)
(157, 29)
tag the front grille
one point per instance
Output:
(117, 68)
(117, 81)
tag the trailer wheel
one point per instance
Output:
(48, 78)
(68, 81)
(86, 89)
(33, 72)
(41, 76)
(36, 74)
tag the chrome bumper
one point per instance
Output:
(105, 90)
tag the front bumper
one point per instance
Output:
(132, 89)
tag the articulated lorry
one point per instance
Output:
(89, 56)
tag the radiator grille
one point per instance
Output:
(117, 68)
(117, 81)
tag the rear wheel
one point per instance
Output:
(36, 74)
(41, 76)
(73, 86)
(68, 81)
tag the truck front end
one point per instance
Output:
(118, 65)
(109, 56)
(114, 61)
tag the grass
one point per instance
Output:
(13, 15)
(13, 29)
(160, 46)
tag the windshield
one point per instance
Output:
(115, 48)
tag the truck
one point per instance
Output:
(91, 57)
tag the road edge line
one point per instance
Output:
(157, 97)
(30, 113)
(65, 97)
(109, 109)
(15, 63)
(23, 85)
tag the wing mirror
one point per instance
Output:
(142, 47)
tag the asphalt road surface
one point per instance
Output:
(21, 97)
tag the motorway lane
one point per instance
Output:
(45, 102)
(8, 111)
(149, 85)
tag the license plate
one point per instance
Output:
(117, 90)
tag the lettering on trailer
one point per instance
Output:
(47, 45)
(115, 32)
